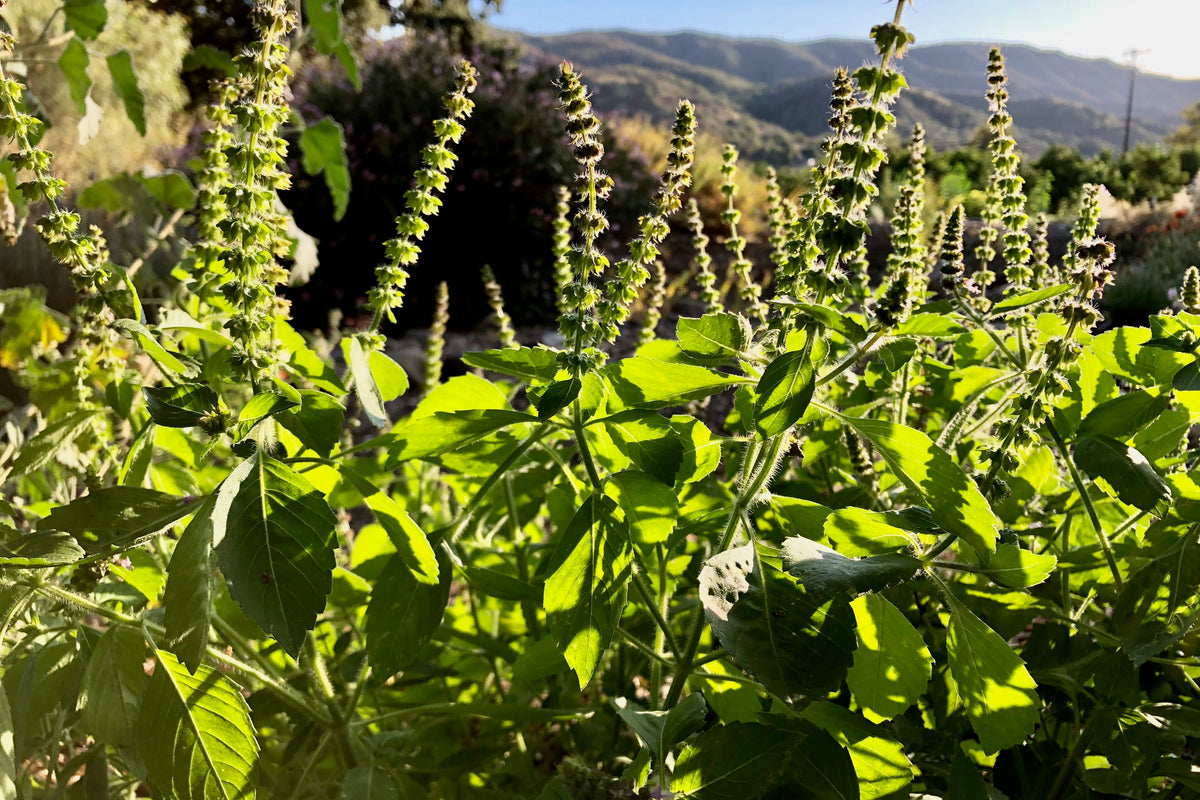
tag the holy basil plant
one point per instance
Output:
(932, 536)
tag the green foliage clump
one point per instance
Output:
(928, 541)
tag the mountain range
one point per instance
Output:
(771, 97)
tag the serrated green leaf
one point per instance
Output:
(719, 335)
(195, 735)
(323, 148)
(43, 447)
(118, 517)
(403, 615)
(955, 501)
(303, 361)
(120, 67)
(892, 665)
(587, 587)
(317, 423)
(188, 598)
(74, 64)
(263, 405)
(412, 545)
(794, 640)
(1124, 354)
(136, 464)
(999, 695)
(275, 547)
(648, 383)
(557, 396)
(367, 782)
(731, 762)
(1128, 471)
(931, 326)
(1187, 379)
(784, 392)
(832, 319)
(113, 685)
(648, 440)
(857, 532)
(46, 549)
(86, 17)
(167, 361)
(701, 450)
(182, 405)
(1123, 416)
(895, 355)
(1028, 298)
(662, 730)
(1018, 568)
(526, 363)
(205, 56)
(648, 505)
(443, 432)
(880, 765)
(324, 18)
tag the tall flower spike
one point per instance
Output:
(1086, 226)
(1039, 264)
(951, 256)
(654, 305)
(777, 218)
(84, 254)
(253, 233)
(706, 279)
(577, 320)
(1190, 294)
(907, 261)
(435, 345)
(633, 271)
(212, 184)
(504, 326)
(561, 244)
(748, 290)
(420, 202)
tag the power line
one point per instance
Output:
(1132, 57)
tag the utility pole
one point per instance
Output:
(1132, 56)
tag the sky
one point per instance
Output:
(1169, 30)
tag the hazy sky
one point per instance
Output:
(1169, 29)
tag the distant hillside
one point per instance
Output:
(770, 97)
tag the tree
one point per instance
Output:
(1189, 132)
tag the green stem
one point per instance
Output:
(1081, 487)
(318, 678)
(850, 360)
(585, 453)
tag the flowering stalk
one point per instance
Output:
(907, 261)
(508, 337)
(85, 255)
(1189, 296)
(777, 218)
(420, 202)
(705, 278)
(1039, 264)
(561, 245)
(212, 184)
(749, 291)
(654, 305)
(435, 345)
(951, 251)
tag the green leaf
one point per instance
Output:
(365, 388)
(117, 518)
(205, 56)
(113, 685)
(720, 335)
(557, 396)
(930, 326)
(825, 572)
(188, 598)
(647, 439)
(833, 320)
(403, 615)
(168, 362)
(74, 64)
(649, 506)
(662, 730)
(892, 665)
(1018, 568)
(324, 18)
(648, 383)
(1029, 298)
(526, 363)
(731, 762)
(793, 639)
(367, 782)
(1124, 354)
(1123, 416)
(586, 591)
(182, 405)
(701, 451)
(389, 376)
(880, 765)
(323, 149)
(784, 392)
(261, 406)
(1163, 435)
(1126, 470)
(136, 463)
(43, 447)
(86, 17)
(48, 549)
(956, 502)
(302, 360)
(501, 586)
(412, 545)
(442, 432)
(1187, 379)
(120, 67)
(857, 532)
(895, 355)
(999, 695)
(195, 735)
(8, 751)
(275, 547)
(317, 423)
(173, 191)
